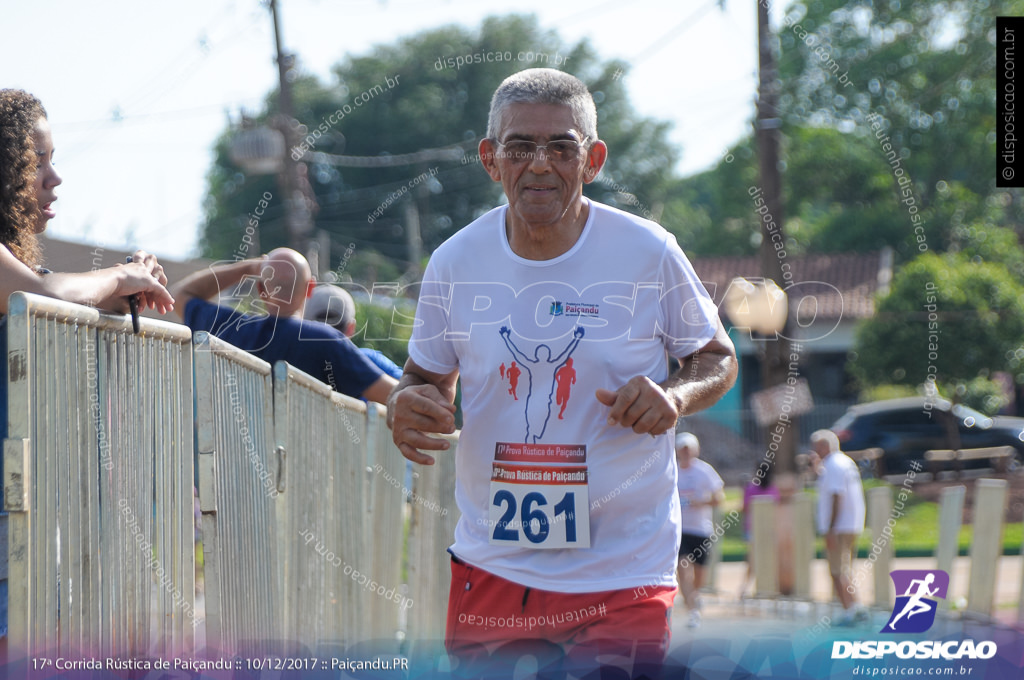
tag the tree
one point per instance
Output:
(947, 319)
(436, 102)
(924, 71)
(855, 75)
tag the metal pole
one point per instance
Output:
(777, 352)
(777, 355)
(298, 218)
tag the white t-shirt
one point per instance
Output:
(697, 483)
(533, 340)
(840, 475)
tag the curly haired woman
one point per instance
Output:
(28, 182)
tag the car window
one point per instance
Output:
(905, 418)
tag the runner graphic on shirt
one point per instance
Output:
(566, 378)
(513, 374)
(540, 374)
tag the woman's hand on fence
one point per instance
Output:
(145, 277)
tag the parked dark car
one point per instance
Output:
(905, 428)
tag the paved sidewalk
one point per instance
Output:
(730, 575)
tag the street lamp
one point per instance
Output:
(759, 305)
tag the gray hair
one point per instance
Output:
(688, 440)
(827, 436)
(544, 86)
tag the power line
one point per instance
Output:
(673, 33)
(451, 153)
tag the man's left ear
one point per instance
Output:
(596, 157)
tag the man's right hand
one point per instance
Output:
(414, 412)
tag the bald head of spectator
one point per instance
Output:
(285, 279)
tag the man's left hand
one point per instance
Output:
(642, 405)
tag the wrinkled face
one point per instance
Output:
(541, 190)
(821, 448)
(47, 179)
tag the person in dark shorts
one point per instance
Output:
(700, 490)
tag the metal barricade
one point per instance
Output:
(387, 495)
(305, 500)
(98, 482)
(431, 531)
(322, 538)
(238, 492)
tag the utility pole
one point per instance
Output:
(774, 367)
(298, 195)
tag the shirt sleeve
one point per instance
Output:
(381, 361)
(690, 315)
(325, 353)
(430, 345)
(354, 372)
(716, 480)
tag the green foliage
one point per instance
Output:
(854, 208)
(432, 105)
(985, 242)
(888, 391)
(962, 317)
(980, 393)
(384, 327)
(924, 72)
(926, 66)
(712, 213)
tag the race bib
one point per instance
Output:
(537, 503)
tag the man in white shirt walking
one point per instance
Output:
(840, 517)
(700, 490)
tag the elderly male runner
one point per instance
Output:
(552, 276)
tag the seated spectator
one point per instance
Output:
(334, 306)
(283, 279)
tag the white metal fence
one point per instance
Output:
(238, 471)
(305, 501)
(98, 482)
(313, 532)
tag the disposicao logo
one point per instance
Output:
(914, 611)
